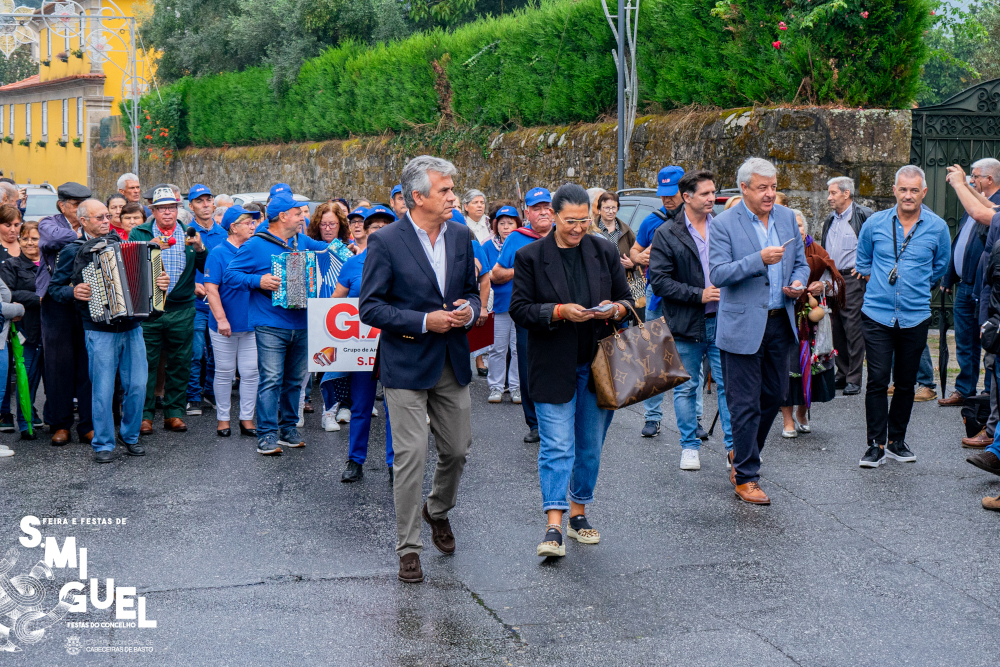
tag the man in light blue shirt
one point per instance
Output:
(768, 237)
(903, 251)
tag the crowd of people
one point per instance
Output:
(775, 319)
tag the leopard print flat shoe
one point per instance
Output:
(581, 530)
(552, 545)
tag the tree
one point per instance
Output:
(955, 41)
(19, 66)
(987, 57)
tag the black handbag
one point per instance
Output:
(989, 335)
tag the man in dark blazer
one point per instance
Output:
(758, 262)
(419, 287)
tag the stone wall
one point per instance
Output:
(809, 145)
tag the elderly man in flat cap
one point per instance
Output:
(66, 373)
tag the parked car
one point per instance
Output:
(41, 201)
(637, 203)
(245, 198)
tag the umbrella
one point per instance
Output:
(23, 391)
(943, 347)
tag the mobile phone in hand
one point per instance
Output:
(599, 309)
(787, 242)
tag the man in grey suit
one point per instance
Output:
(757, 259)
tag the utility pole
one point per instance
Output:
(621, 94)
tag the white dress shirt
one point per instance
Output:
(437, 256)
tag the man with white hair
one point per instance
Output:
(903, 251)
(757, 260)
(223, 201)
(129, 187)
(963, 271)
(840, 239)
(419, 287)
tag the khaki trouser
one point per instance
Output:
(450, 408)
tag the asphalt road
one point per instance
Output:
(250, 560)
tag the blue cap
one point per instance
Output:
(281, 202)
(280, 187)
(380, 209)
(537, 196)
(359, 212)
(396, 190)
(234, 212)
(667, 179)
(506, 211)
(457, 216)
(198, 190)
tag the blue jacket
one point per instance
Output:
(54, 232)
(252, 261)
(398, 287)
(738, 270)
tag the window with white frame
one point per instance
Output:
(45, 119)
(79, 116)
(65, 117)
(66, 41)
(48, 45)
(10, 120)
(27, 120)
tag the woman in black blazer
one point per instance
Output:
(558, 280)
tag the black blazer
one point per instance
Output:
(18, 273)
(676, 276)
(398, 287)
(540, 284)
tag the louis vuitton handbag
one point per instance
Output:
(636, 363)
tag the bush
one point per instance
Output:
(554, 65)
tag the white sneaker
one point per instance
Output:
(6, 452)
(428, 420)
(193, 409)
(330, 421)
(4, 447)
(374, 412)
(496, 395)
(343, 415)
(302, 416)
(690, 460)
(515, 397)
(729, 465)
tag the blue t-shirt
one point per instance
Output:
(514, 242)
(211, 240)
(252, 261)
(648, 227)
(350, 274)
(502, 292)
(235, 302)
(477, 251)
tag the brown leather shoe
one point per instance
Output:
(147, 427)
(924, 394)
(60, 437)
(752, 493)
(954, 399)
(991, 503)
(441, 535)
(409, 569)
(732, 469)
(978, 441)
(87, 437)
(174, 424)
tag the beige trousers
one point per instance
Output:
(449, 406)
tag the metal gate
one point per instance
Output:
(962, 129)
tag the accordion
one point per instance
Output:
(299, 276)
(122, 279)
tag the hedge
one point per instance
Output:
(553, 65)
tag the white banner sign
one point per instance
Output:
(338, 341)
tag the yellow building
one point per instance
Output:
(50, 122)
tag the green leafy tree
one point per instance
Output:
(19, 66)
(954, 41)
(987, 57)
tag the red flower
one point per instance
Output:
(776, 44)
(148, 137)
(932, 13)
(864, 15)
(782, 26)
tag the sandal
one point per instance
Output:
(581, 530)
(552, 545)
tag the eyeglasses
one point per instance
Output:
(574, 221)
(98, 218)
(609, 209)
(329, 225)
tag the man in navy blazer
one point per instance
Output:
(757, 259)
(419, 287)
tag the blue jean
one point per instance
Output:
(654, 404)
(281, 362)
(685, 395)
(33, 365)
(4, 367)
(111, 355)
(572, 436)
(925, 371)
(363, 397)
(995, 447)
(201, 351)
(967, 349)
(335, 388)
(527, 404)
